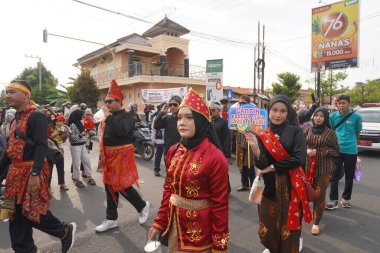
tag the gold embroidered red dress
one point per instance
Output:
(33, 205)
(195, 198)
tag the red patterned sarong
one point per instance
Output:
(120, 170)
(16, 189)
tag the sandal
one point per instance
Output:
(78, 183)
(91, 181)
(85, 176)
(63, 187)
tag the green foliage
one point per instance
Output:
(84, 90)
(369, 92)
(330, 85)
(48, 90)
(289, 85)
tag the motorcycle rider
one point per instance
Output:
(133, 110)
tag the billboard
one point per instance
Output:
(335, 36)
(161, 95)
(214, 80)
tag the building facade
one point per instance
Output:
(157, 59)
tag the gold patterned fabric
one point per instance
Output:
(272, 229)
(322, 181)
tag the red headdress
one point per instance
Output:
(115, 91)
(195, 102)
(60, 118)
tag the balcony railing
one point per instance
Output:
(151, 69)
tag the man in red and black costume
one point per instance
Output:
(26, 203)
(118, 158)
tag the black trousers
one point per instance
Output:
(129, 194)
(247, 176)
(158, 156)
(348, 163)
(21, 230)
(59, 162)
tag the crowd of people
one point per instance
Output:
(311, 147)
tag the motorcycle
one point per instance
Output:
(143, 143)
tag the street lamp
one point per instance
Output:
(39, 69)
(45, 39)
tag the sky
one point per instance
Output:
(287, 34)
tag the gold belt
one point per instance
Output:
(110, 148)
(22, 163)
(189, 204)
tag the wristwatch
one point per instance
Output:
(34, 173)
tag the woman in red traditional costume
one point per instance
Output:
(194, 208)
(280, 152)
(322, 147)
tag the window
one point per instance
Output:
(110, 68)
(94, 70)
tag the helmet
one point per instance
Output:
(131, 105)
(83, 106)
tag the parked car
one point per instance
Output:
(370, 135)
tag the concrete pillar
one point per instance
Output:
(163, 71)
(130, 63)
(186, 66)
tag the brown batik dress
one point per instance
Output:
(273, 214)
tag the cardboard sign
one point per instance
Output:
(248, 118)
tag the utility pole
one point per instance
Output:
(331, 83)
(263, 65)
(258, 77)
(319, 86)
(39, 69)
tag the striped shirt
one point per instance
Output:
(325, 141)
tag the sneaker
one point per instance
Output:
(144, 214)
(301, 244)
(106, 224)
(157, 173)
(266, 251)
(345, 204)
(333, 204)
(69, 239)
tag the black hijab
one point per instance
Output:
(75, 118)
(318, 129)
(292, 115)
(203, 129)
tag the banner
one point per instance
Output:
(214, 80)
(335, 36)
(161, 95)
(248, 118)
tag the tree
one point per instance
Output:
(49, 85)
(329, 85)
(289, 85)
(369, 92)
(84, 90)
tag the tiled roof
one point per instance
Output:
(165, 24)
(133, 38)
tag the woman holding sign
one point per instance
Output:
(194, 208)
(280, 151)
(322, 147)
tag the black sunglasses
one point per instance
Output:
(109, 101)
(173, 104)
(242, 103)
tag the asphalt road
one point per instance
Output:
(343, 230)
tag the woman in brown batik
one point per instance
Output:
(322, 147)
